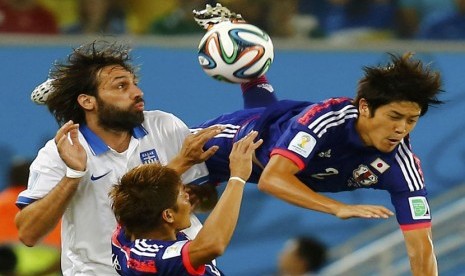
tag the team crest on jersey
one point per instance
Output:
(303, 143)
(149, 156)
(364, 176)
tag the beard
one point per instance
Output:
(112, 117)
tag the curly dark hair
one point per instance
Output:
(142, 195)
(79, 75)
(403, 79)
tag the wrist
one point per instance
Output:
(238, 179)
(72, 173)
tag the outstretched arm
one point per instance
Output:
(419, 243)
(217, 231)
(279, 180)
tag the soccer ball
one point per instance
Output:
(235, 52)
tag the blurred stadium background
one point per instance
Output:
(305, 68)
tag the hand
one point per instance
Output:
(240, 159)
(203, 198)
(192, 151)
(70, 149)
(363, 211)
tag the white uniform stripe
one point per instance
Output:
(143, 253)
(231, 126)
(229, 131)
(336, 123)
(411, 165)
(405, 159)
(143, 249)
(349, 109)
(405, 173)
(225, 135)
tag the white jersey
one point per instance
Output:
(88, 222)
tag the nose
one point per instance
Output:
(400, 128)
(137, 92)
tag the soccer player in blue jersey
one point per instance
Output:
(152, 208)
(342, 144)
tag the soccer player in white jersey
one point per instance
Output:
(104, 133)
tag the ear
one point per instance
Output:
(363, 108)
(87, 102)
(168, 215)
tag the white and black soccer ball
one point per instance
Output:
(235, 52)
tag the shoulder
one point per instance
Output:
(160, 117)
(330, 108)
(328, 115)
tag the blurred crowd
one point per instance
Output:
(330, 19)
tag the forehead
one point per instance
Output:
(113, 71)
(402, 107)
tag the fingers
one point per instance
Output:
(65, 129)
(209, 152)
(374, 211)
(202, 136)
(247, 144)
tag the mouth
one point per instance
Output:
(139, 106)
(393, 141)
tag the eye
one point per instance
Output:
(395, 117)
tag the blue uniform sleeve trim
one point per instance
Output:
(22, 201)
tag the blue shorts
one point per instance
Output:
(238, 124)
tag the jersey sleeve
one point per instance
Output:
(412, 210)
(46, 172)
(408, 191)
(187, 262)
(296, 144)
(313, 127)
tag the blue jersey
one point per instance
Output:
(155, 257)
(321, 139)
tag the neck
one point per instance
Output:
(162, 233)
(361, 129)
(115, 139)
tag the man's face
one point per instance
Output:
(183, 212)
(119, 101)
(389, 125)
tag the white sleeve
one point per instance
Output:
(45, 173)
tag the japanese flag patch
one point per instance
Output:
(419, 207)
(380, 165)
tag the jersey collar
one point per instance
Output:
(96, 143)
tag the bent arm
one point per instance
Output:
(419, 243)
(279, 180)
(39, 218)
(218, 229)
